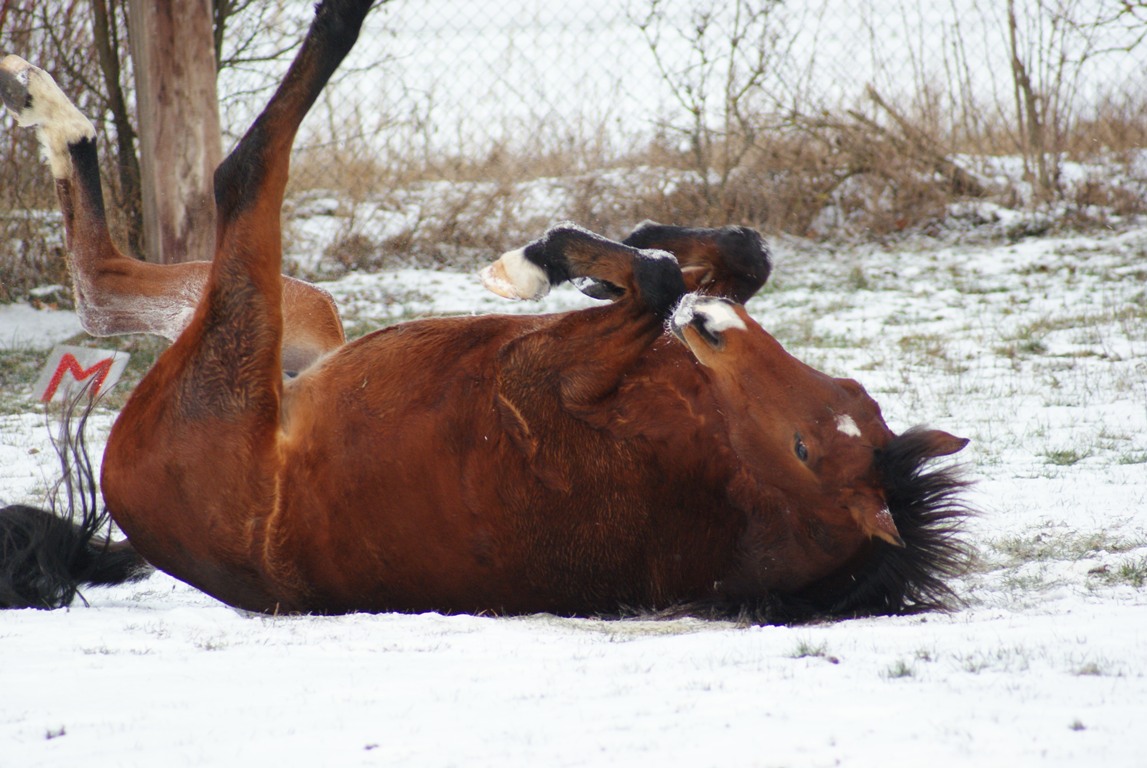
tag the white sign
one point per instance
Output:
(69, 369)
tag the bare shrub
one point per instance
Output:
(747, 132)
(353, 252)
(33, 257)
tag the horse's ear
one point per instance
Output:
(876, 521)
(701, 323)
(939, 443)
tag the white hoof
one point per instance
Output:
(513, 276)
(34, 99)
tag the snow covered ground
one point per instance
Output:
(1037, 350)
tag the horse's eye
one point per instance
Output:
(801, 449)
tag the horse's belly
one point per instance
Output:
(403, 490)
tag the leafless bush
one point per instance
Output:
(32, 258)
(731, 76)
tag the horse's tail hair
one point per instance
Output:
(46, 555)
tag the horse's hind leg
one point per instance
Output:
(192, 468)
(115, 293)
(243, 294)
(68, 144)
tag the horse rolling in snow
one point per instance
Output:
(582, 463)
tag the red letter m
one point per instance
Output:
(70, 365)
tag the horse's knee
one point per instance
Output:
(659, 281)
(732, 261)
(746, 260)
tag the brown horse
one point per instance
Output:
(579, 463)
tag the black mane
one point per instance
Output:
(929, 514)
(926, 507)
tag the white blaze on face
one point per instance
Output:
(58, 123)
(719, 316)
(716, 315)
(847, 426)
(513, 276)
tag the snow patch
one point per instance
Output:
(545, 690)
(23, 327)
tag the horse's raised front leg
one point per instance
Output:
(730, 262)
(194, 464)
(116, 294)
(649, 278)
(600, 345)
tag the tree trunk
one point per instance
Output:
(173, 48)
(128, 196)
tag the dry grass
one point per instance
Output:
(848, 175)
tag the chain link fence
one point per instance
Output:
(475, 125)
(458, 128)
(444, 77)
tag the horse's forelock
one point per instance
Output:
(926, 505)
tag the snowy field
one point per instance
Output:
(1036, 350)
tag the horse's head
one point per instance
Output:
(817, 449)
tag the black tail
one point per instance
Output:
(47, 555)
